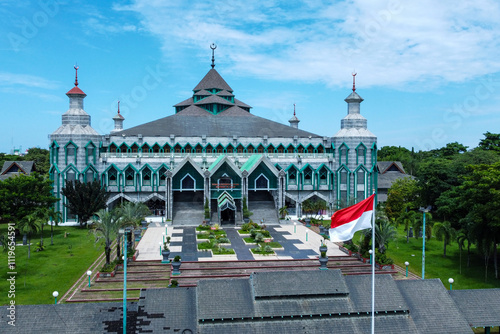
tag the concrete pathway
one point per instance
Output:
(298, 242)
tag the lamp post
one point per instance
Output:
(371, 252)
(88, 274)
(159, 243)
(163, 237)
(407, 264)
(424, 210)
(451, 280)
(294, 227)
(55, 294)
(124, 232)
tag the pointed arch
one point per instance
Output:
(361, 178)
(343, 154)
(146, 173)
(90, 174)
(361, 154)
(113, 148)
(70, 150)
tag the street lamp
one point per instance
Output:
(88, 274)
(424, 210)
(55, 294)
(407, 264)
(159, 243)
(124, 232)
(451, 280)
(163, 237)
(371, 252)
(294, 227)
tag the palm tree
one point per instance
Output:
(407, 219)
(418, 223)
(106, 227)
(462, 237)
(384, 232)
(29, 225)
(445, 232)
(131, 214)
(55, 218)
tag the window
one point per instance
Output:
(261, 182)
(89, 175)
(91, 151)
(71, 175)
(146, 177)
(343, 151)
(308, 176)
(323, 176)
(361, 185)
(292, 176)
(70, 154)
(162, 175)
(129, 177)
(361, 156)
(188, 183)
(112, 177)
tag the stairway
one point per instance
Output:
(187, 213)
(263, 210)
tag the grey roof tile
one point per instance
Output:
(481, 307)
(212, 80)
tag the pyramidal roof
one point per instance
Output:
(213, 80)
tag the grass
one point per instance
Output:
(436, 266)
(56, 268)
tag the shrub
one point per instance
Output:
(351, 246)
(266, 233)
(259, 237)
(177, 258)
(267, 249)
(383, 259)
(253, 233)
(323, 254)
(173, 284)
(223, 240)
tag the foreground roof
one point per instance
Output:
(277, 302)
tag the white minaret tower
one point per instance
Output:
(294, 121)
(118, 119)
(355, 153)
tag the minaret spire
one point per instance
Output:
(294, 109)
(76, 74)
(118, 106)
(354, 81)
(213, 46)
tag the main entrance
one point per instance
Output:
(226, 208)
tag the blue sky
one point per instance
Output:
(428, 70)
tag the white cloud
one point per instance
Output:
(389, 43)
(10, 79)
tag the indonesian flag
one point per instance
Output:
(347, 221)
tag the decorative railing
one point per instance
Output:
(180, 155)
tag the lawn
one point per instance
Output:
(54, 269)
(436, 266)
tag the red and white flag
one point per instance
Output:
(347, 221)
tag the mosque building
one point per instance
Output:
(214, 150)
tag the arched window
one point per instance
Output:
(343, 153)
(361, 181)
(70, 175)
(308, 173)
(323, 176)
(361, 154)
(162, 176)
(129, 176)
(292, 176)
(188, 183)
(343, 185)
(146, 177)
(261, 182)
(112, 177)
(89, 175)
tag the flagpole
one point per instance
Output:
(373, 267)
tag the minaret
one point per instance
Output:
(355, 152)
(294, 121)
(76, 115)
(118, 119)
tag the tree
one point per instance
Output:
(21, 195)
(443, 231)
(401, 197)
(131, 214)
(490, 142)
(29, 225)
(106, 227)
(84, 199)
(407, 219)
(41, 157)
(55, 217)
(480, 197)
(384, 233)
(419, 223)
(464, 236)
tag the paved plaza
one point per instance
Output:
(298, 241)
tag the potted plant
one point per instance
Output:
(176, 265)
(323, 248)
(246, 212)
(165, 252)
(144, 224)
(207, 212)
(323, 260)
(137, 234)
